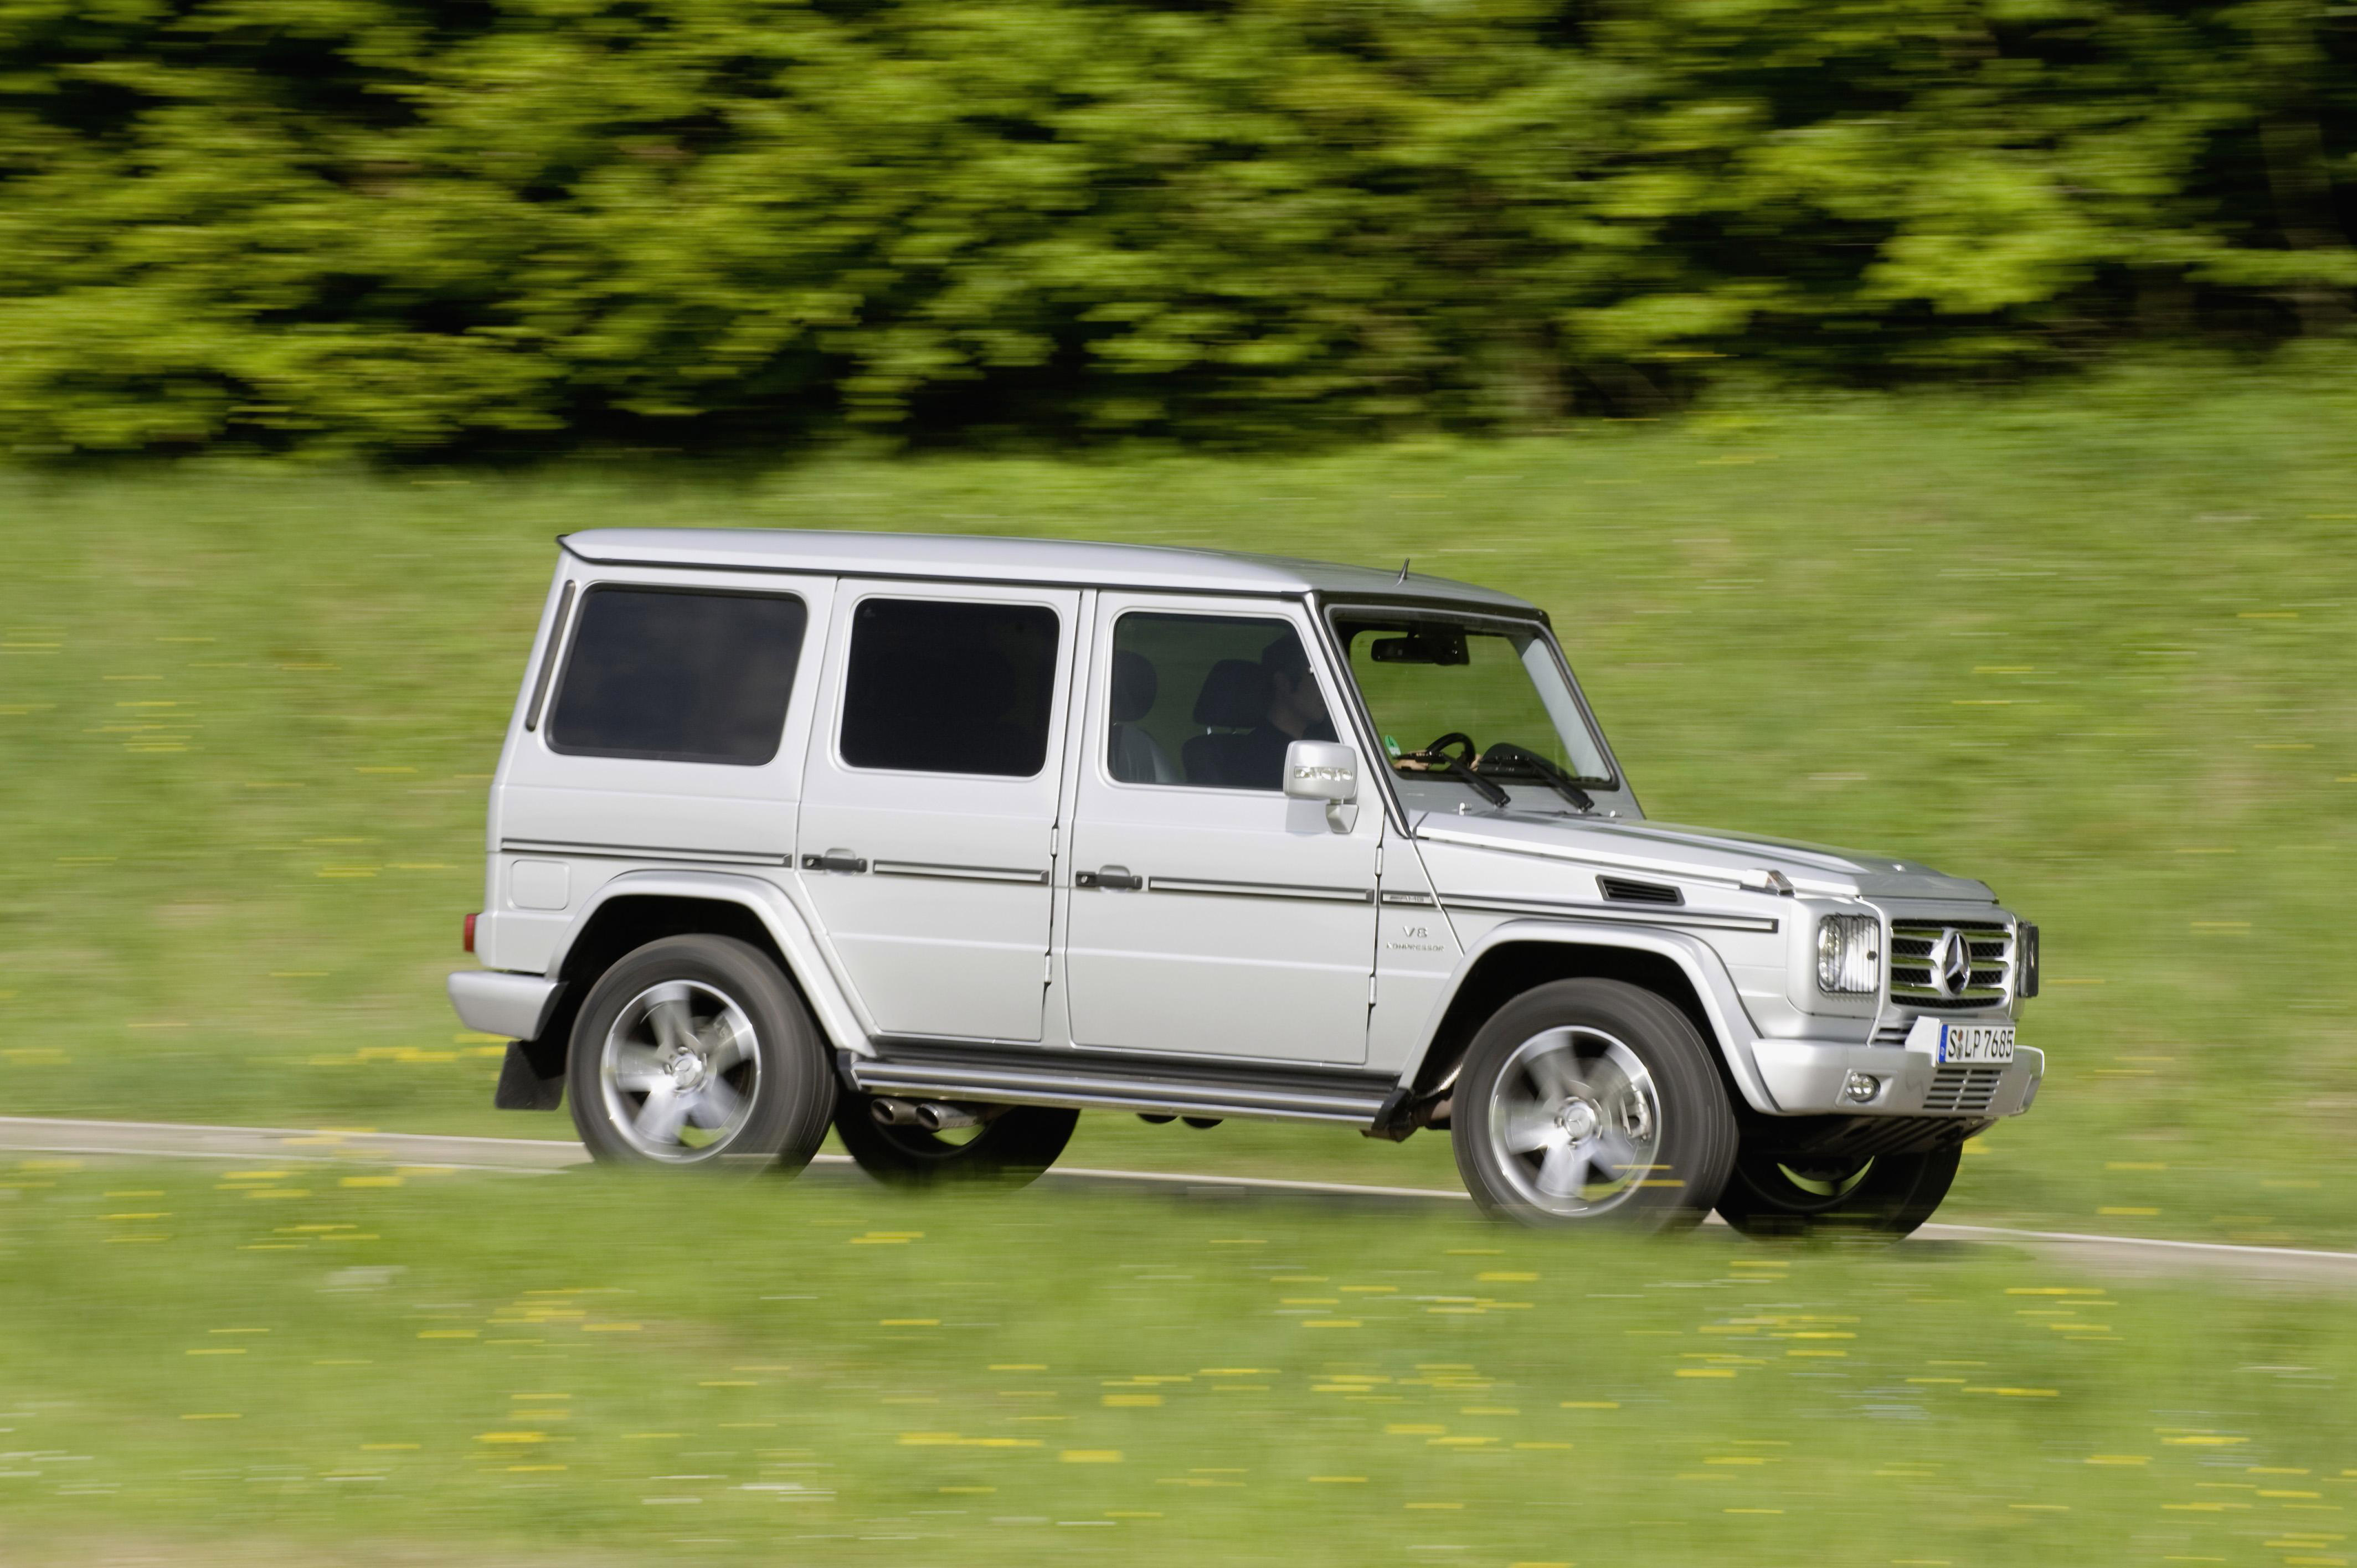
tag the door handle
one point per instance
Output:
(1117, 878)
(834, 860)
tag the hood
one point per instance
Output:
(1669, 850)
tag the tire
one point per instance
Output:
(1884, 1197)
(1011, 1149)
(755, 1091)
(1592, 1102)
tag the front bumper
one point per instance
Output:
(1805, 1078)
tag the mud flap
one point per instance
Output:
(521, 1086)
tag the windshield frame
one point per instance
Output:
(1535, 623)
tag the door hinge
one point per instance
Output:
(1370, 991)
(1048, 969)
(1055, 843)
(1379, 860)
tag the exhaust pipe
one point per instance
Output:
(932, 1115)
(935, 1114)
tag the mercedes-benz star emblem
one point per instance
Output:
(1951, 962)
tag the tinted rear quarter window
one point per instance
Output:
(950, 686)
(676, 675)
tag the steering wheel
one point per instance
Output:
(1438, 750)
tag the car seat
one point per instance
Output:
(1136, 756)
(1235, 699)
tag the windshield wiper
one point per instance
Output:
(1561, 782)
(1458, 768)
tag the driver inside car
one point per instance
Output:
(1295, 711)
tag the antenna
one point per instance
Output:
(1403, 561)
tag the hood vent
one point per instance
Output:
(1621, 890)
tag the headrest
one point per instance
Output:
(1235, 696)
(1135, 686)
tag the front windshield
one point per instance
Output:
(1451, 695)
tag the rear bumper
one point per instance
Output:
(1805, 1078)
(515, 1006)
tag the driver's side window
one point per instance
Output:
(1209, 701)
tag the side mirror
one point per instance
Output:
(1329, 771)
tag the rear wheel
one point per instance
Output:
(1592, 1102)
(1887, 1196)
(1011, 1146)
(694, 1052)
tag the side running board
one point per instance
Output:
(1090, 1080)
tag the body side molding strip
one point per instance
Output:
(1257, 890)
(639, 852)
(954, 873)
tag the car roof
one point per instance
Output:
(967, 557)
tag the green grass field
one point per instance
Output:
(291, 1365)
(2095, 645)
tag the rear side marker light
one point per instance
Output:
(466, 935)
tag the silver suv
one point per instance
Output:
(941, 840)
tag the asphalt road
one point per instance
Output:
(542, 1157)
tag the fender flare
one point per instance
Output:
(1703, 969)
(769, 903)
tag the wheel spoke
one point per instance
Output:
(1527, 1126)
(1616, 1154)
(1607, 1082)
(637, 1069)
(724, 1044)
(1556, 1072)
(660, 1118)
(715, 1107)
(674, 1024)
(1563, 1171)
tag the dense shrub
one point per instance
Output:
(380, 225)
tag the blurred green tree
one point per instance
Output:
(376, 225)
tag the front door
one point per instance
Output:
(1210, 914)
(929, 808)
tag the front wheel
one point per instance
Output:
(1012, 1145)
(1886, 1196)
(695, 1052)
(1592, 1102)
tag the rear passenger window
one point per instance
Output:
(676, 675)
(946, 686)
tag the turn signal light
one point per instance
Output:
(466, 935)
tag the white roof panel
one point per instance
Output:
(969, 556)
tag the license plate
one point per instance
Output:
(1974, 1043)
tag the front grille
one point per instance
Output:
(1912, 943)
(1893, 1032)
(1962, 1088)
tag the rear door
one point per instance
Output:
(929, 804)
(1210, 914)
